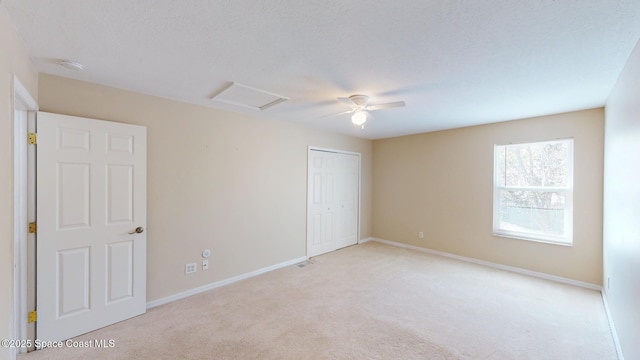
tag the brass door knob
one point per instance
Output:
(138, 230)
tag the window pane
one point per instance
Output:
(520, 165)
(555, 167)
(535, 164)
(541, 212)
(500, 152)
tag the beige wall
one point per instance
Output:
(13, 60)
(441, 183)
(216, 179)
(622, 206)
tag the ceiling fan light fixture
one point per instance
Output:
(358, 118)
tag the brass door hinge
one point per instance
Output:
(32, 138)
(33, 227)
(32, 317)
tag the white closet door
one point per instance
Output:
(333, 201)
(348, 179)
(321, 200)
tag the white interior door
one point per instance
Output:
(333, 201)
(91, 196)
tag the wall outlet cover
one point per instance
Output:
(190, 268)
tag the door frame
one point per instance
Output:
(21, 101)
(318, 148)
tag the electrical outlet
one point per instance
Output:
(190, 268)
(421, 235)
(205, 264)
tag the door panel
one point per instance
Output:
(73, 285)
(73, 195)
(120, 276)
(91, 186)
(119, 194)
(74, 139)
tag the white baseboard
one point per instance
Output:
(362, 241)
(201, 289)
(612, 326)
(494, 265)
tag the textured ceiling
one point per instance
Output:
(455, 63)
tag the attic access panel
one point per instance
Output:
(248, 97)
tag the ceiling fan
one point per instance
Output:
(360, 108)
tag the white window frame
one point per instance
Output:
(567, 238)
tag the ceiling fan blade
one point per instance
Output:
(386, 106)
(347, 101)
(340, 113)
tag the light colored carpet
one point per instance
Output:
(370, 301)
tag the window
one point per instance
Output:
(533, 191)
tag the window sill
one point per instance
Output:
(534, 239)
